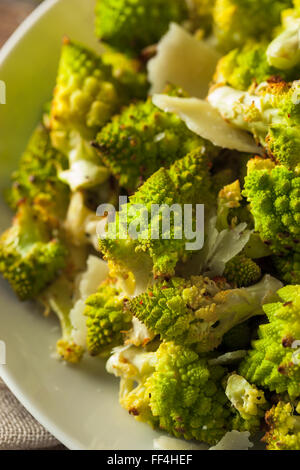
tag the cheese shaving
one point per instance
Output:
(184, 61)
(201, 118)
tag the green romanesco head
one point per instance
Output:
(283, 428)
(88, 92)
(270, 111)
(141, 140)
(283, 143)
(85, 98)
(198, 312)
(273, 193)
(137, 245)
(176, 390)
(242, 271)
(37, 176)
(107, 320)
(186, 395)
(30, 255)
(250, 64)
(274, 361)
(236, 21)
(240, 67)
(288, 268)
(131, 25)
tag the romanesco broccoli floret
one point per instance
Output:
(274, 361)
(107, 320)
(236, 21)
(172, 389)
(153, 248)
(130, 26)
(186, 395)
(143, 139)
(269, 111)
(30, 254)
(179, 392)
(288, 268)
(242, 271)
(241, 67)
(59, 299)
(88, 92)
(273, 192)
(37, 176)
(198, 312)
(283, 428)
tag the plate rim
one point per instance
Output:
(5, 375)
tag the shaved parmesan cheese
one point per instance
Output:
(234, 440)
(201, 118)
(184, 61)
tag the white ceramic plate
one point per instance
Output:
(78, 405)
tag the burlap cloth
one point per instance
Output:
(18, 429)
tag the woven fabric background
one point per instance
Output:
(18, 429)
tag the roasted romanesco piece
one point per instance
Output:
(107, 320)
(198, 312)
(274, 361)
(274, 195)
(130, 26)
(283, 428)
(152, 248)
(236, 21)
(174, 390)
(242, 271)
(31, 256)
(269, 111)
(87, 94)
(177, 391)
(143, 139)
(243, 66)
(37, 176)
